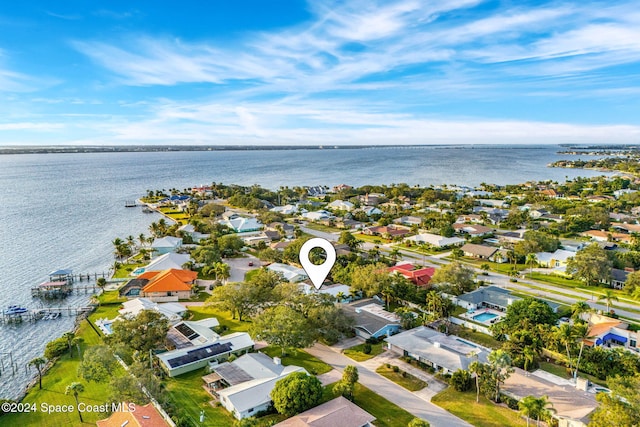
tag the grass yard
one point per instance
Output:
(387, 414)
(482, 414)
(224, 317)
(123, 271)
(110, 297)
(301, 358)
(475, 336)
(188, 396)
(561, 371)
(402, 378)
(54, 383)
(376, 240)
(322, 227)
(357, 353)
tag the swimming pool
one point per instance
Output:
(484, 317)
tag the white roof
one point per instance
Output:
(286, 209)
(316, 215)
(168, 261)
(341, 204)
(559, 255)
(289, 272)
(188, 228)
(240, 224)
(172, 311)
(167, 242)
(435, 239)
(332, 290)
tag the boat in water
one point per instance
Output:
(15, 309)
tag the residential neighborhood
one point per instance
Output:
(488, 298)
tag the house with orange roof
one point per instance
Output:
(607, 332)
(132, 415)
(418, 276)
(161, 286)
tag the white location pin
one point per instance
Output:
(317, 273)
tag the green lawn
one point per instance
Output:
(387, 414)
(188, 396)
(562, 372)
(323, 228)
(376, 240)
(482, 414)
(299, 357)
(110, 297)
(54, 383)
(402, 378)
(123, 271)
(357, 354)
(224, 317)
(475, 336)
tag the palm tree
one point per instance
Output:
(528, 407)
(529, 356)
(38, 362)
(101, 283)
(543, 408)
(388, 294)
(142, 239)
(69, 336)
(222, 271)
(566, 335)
(608, 297)
(394, 254)
(476, 367)
(131, 241)
(578, 308)
(77, 341)
(341, 296)
(500, 363)
(75, 389)
(530, 261)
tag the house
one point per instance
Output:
(187, 333)
(445, 353)
(511, 236)
(557, 259)
(164, 262)
(605, 236)
(618, 193)
(244, 386)
(386, 230)
(190, 230)
(372, 199)
(166, 244)
(167, 285)
(241, 224)
(341, 205)
(280, 246)
(182, 360)
(435, 240)
(493, 203)
(334, 290)
(372, 320)
(409, 220)
(371, 210)
(341, 187)
(172, 311)
(286, 209)
(418, 276)
(289, 272)
(607, 332)
(550, 192)
(320, 215)
(470, 218)
(132, 415)
(478, 251)
(472, 230)
(337, 412)
(618, 278)
(486, 297)
(571, 406)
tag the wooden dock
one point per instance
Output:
(34, 315)
(62, 286)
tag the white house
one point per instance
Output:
(557, 259)
(241, 224)
(341, 205)
(191, 231)
(436, 240)
(167, 261)
(286, 209)
(371, 210)
(317, 215)
(289, 272)
(244, 385)
(171, 310)
(166, 244)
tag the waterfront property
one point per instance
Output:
(372, 320)
(446, 353)
(244, 386)
(171, 310)
(189, 358)
(167, 261)
(167, 285)
(140, 416)
(336, 412)
(167, 244)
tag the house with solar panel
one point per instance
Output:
(196, 349)
(244, 386)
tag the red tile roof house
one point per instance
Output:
(418, 276)
(386, 230)
(472, 230)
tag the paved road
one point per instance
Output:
(419, 407)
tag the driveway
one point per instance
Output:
(402, 397)
(240, 266)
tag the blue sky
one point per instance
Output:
(319, 72)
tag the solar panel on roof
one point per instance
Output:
(187, 331)
(199, 354)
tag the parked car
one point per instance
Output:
(250, 263)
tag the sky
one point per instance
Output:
(319, 72)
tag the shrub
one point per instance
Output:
(388, 365)
(367, 348)
(404, 374)
(461, 380)
(56, 348)
(395, 368)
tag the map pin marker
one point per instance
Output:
(317, 273)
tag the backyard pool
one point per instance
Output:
(484, 317)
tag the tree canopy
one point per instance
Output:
(592, 265)
(455, 276)
(296, 393)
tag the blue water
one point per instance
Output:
(484, 317)
(63, 210)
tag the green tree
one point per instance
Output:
(461, 380)
(75, 388)
(346, 386)
(608, 296)
(528, 407)
(632, 284)
(531, 260)
(69, 336)
(97, 363)
(38, 363)
(591, 265)
(126, 388)
(145, 332)
(296, 393)
(524, 314)
(621, 407)
(283, 327)
(350, 240)
(369, 279)
(476, 368)
(455, 275)
(578, 308)
(418, 422)
(500, 369)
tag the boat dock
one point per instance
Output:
(61, 284)
(46, 313)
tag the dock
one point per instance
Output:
(34, 315)
(61, 284)
(130, 204)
